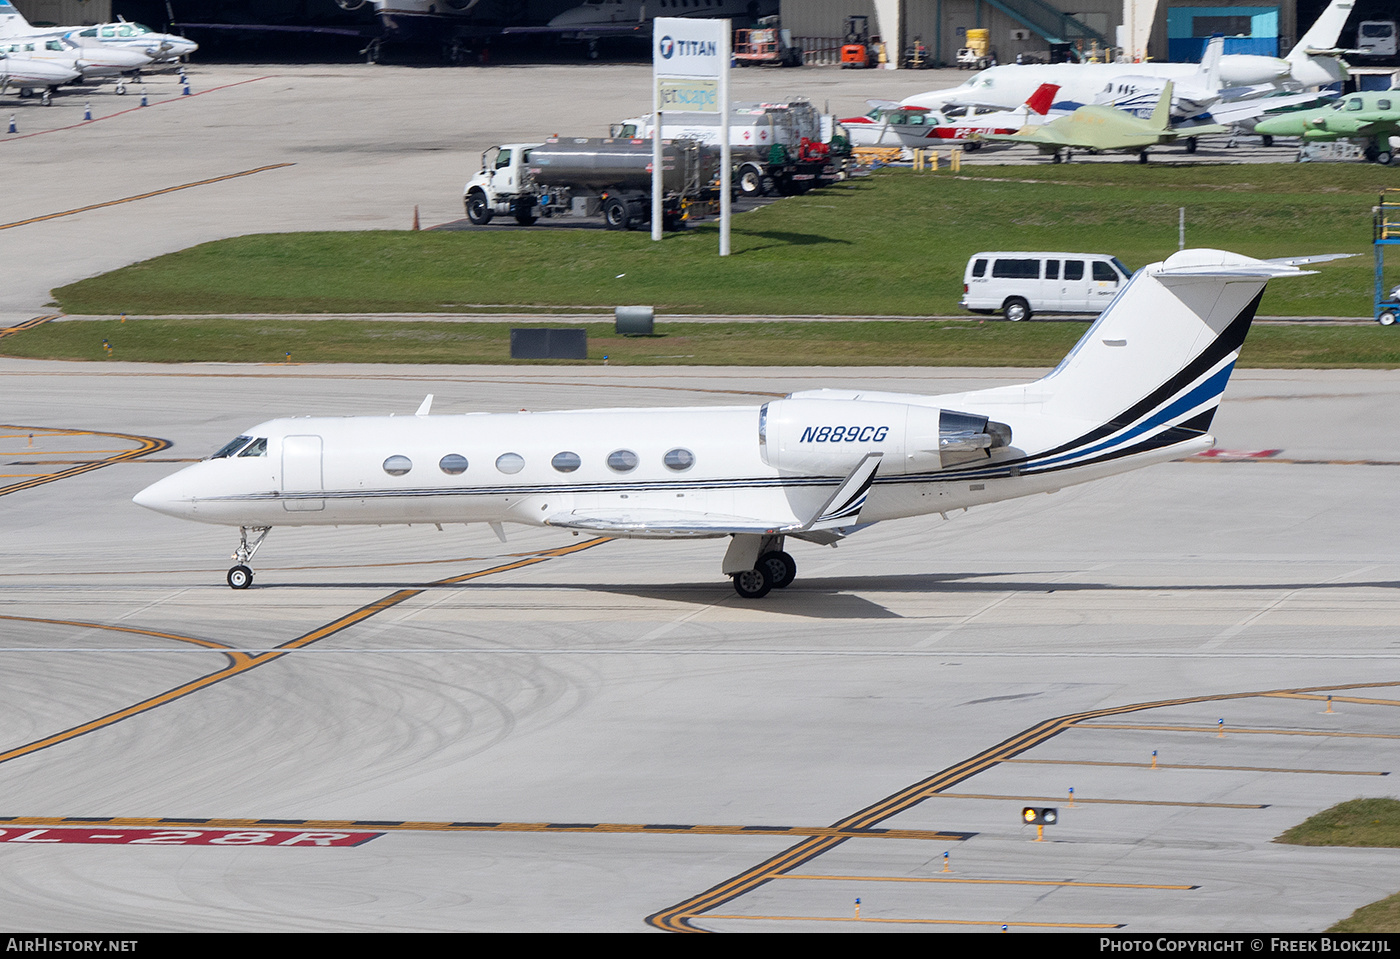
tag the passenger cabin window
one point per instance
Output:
(510, 462)
(679, 460)
(397, 465)
(1074, 269)
(256, 448)
(453, 464)
(1382, 104)
(1104, 272)
(232, 447)
(1355, 104)
(622, 461)
(1009, 269)
(566, 462)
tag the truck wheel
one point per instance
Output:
(1016, 309)
(478, 210)
(750, 181)
(616, 215)
(525, 215)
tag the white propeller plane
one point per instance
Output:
(1139, 388)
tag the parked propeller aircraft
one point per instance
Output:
(891, 124)
(1101, 129)
(89, 63)
(1311, 63)
(1140, 387)
(1369, 118)
(136, 48)
(28, 75)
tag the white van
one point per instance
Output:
(1019, 285)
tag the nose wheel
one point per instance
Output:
(241, 576)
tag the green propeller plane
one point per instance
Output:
(1099, 128)
(1372, 118)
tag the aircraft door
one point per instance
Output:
(301, 473)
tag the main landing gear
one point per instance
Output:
(241, 576)
(758, 565)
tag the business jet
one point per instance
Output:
(1311, 63)
(1139, 388)
(596, 19)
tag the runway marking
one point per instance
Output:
(935, 922)
(994, 882)
(1107, 802)
(681, 916)
(189, 837)
(143, 196)
(1244, 769)
(145, 445)
(341, 825)
(174, 99)
(28, 324)
(241, 662)
(1242, 730)
(1338, 699)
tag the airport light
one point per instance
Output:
(1040, 817)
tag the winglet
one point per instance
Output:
(843, 507)
(1162, 115)
(426, 405)
(1040, 101)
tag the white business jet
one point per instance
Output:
(1139, 388)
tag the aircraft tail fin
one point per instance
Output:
(1210, 62)
(1323, 34)
(12, 22)
(1161, 118)
(1150, 371)
(1040, 101)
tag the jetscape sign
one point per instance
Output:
(688, 57)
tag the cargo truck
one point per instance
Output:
(586, 176)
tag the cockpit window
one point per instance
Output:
(256, 448)
(234, 445)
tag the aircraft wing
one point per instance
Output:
(836, 517)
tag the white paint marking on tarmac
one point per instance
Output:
(1233, 631)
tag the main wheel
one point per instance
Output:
(525, 215)
(750, 181)
(1016, 309)
(616, 215)
(1190, 144)
(240, 577)
(478, 210)
(1142, 157)
(753, 583)
(1384, 157)
(1268, 141)
(782, 568)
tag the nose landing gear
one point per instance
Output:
(241, 576)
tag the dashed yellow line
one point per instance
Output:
(1107, 802)
(1238, 769)
(144, 196)
(1240, 730)
(931, 922)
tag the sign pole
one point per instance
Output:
(726, 174)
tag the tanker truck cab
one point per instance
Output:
(1019, 285)
(500, 187)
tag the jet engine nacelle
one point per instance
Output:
(823, 437)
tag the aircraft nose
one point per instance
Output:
(171, 496)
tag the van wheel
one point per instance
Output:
(1016, 309)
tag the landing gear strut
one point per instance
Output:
(758, 565)
(241, 576)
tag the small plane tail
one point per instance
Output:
(12, 22)
(1210, 62)
(1161, 118)
(1323, 34)
(1150, 371)
(1040, 101)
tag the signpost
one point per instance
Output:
(690, 74)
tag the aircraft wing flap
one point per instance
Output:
(665, 523)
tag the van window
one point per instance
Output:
(979, 268)
(1016, 269)
(1074, 269)
(1104, 272)
(1052, 269)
